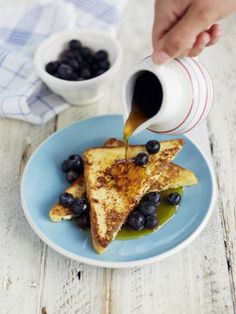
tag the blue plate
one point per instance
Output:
(43, 181)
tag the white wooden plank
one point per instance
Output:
(222, 123)
(20, 248)
(71, 287)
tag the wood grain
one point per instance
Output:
(222, 122)
(20, 257)
(199, 279)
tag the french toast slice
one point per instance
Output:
(114, 187)
(172, 177)
(59, 212)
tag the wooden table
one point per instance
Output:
(199, 279)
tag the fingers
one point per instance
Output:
(182, 36)
(215, 33)
(202, 40)
(205, 39)
(163, 21)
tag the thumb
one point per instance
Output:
(182, 35)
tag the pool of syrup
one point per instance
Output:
(165, 212)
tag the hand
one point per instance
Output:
(186, 27)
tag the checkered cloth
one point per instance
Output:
(22, 94)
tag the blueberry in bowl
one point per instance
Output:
(77, 62)
(78, 65)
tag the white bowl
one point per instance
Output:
(78, 92)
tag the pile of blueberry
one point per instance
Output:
(152, 147)
(73, 166)
(144, 216)
(79, 206)
(78, 63)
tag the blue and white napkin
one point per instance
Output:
(22, 94)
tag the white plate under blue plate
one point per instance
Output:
(43, 181)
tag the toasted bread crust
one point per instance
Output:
(111, 201)
(172, 177)
(59, 212)
(113, 142)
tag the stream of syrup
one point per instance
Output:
(146, 102)
(135, 119)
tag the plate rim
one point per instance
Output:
(120, 264)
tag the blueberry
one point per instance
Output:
(75, 44)
(100, 55)
(147, 208)
(153, 197)
(135, 220)
(151, 222)
(141, 159)
(52, 67)
(74, 64)
(85, 74)
(74, 77)
(80, 206)
(89, 59)
(65, 166)
(78, 57)
(71, 176)
(85, 52)
(83, 221)
(74, 157)
(69, 164)
(65, 72)
(66, 56)
(66, 199)
(153, 147)
(104, 65)
(99, 72)
(56, 75)
(94, 68)
(174, 198)
(76, 163)
(85, 65)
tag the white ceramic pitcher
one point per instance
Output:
(187, 95)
